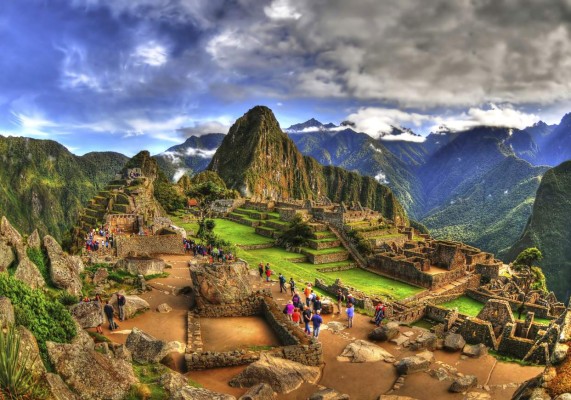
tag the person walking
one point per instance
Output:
(121, 301)
(379, 313)
(317, 304)
(296, 300)
(340, 298)
(289, 308)
(261, 270)
(108, 310)
(268, 274)
(306, 315)
(292, 286)
(350, 314)
(317, 321)
(296, 316)
(307, 292)
(282, 280)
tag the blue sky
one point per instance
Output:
(127, 75)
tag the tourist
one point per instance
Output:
(282, 280)
(108, 310)
(350, 299)
(379, 313)
(268, 274)
(317, 304)
(340, 298)
(307, 319)
(267, 266)
(292, 285)
(121, 301)
(317, 321)
(99, 329)
(261, 270)
(307, 292)
(311, 299)
(296, 316)
(296, 300)
(350, 314)
(289, 310)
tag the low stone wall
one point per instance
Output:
(264, 231)
(488, 271)
(539, 311)
(306, 354)
(412, 314)
(256, 246)
(442, 315)
(141, 266)
(246, 308)
(282, 327)
(327, 258)
(148, 245)
(513, 346)
(337, 269)
(475, 331)
(215, 359)
(324, 245)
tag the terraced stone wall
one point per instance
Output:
(147, 245)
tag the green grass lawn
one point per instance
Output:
(465, 305)
(375, 284)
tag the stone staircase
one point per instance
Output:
(344, 240)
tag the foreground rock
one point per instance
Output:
(454, 342)
(193, 393)
(261, 391)
(64, 269)
(220, 284)
(58, 389)
(88, 315)
(29, 346)
(411, 365)
(328, 394)
(395, 397)
(133, 305)
(29, 273)
(385, 332)
(93, 375)
(147, 349)
(476, 350)
(6, 256)
(6, 312)
(282, 375)
(34, 240)
(164, 308)
(463, 384)
(363, 351)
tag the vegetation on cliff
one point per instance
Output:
(549, 229)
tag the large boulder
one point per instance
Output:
(133, 305)
(64, 269)
(363, 351)
(172, 381)
(394, 397)
(34, 240)
(475, 350)
(220, 283)
(463, 384)
(411, 365)
(328, 394)
(82, 339)
(91, 374)
(427, 340)
(147, 349)
(88, 315)
(6, 312)
(193, 393)
(57, 388)
(261, 391)
(100, 276)
(282, 375)
(141, 266)
(11, 235)
(454, 342)
(29, 346)
(385, 332)
(29, 273)
(7, 256)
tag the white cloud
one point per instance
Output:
(281, 9)
(376, 122)
(381, 178)
(404, 137)
(203, 127)
(375, 148)
(151, 53)
(202, 153)
(179, 174)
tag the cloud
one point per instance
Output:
(404, 137)
(376, 122)
(199, 128)
(179, 174)
(281, 9)
(202, 153)
(493, 115)
(151, 54)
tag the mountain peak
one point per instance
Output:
(311, 125)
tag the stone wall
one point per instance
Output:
(218, 359)
(475, 331)
(288, 214)
(122, 222)
(488, 271)
(324, 245)
(327, 258)
(337, 269)
(539, 311)
(141, 266)
(148, 245)
(245, 308)
(448, 256)
(256, 246)
(513, 346)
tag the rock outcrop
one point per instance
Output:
(64, 269)
(411, 365)
(88, 315)
(7, 257)
(57, 388)
(261, 391)
(164, 308)
(221, 283)
(282, 375)
(133, 305)
(147, 349)
(463, 384)
(362, 351)
(29, 346)
(454, 342)
(476, 350)
(90, 373)
(6, 312)
(193, 393)
(34, 240)
(385, 332)
(28, 272)
(328, 394)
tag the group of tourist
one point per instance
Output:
(94, 244)
(108, 310)
(213, 253)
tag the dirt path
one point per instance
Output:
(359, 380)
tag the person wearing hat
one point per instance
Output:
(317, 321)
(350, 299)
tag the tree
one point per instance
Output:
(298, 233)
(530, 277)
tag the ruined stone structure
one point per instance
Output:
(138, 246)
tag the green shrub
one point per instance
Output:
(16, 381)
(68, 299)
(47, 319)
(38, 257)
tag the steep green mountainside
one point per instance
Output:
(360, 153)
(190, 157)
(556, 146)
(43, 185)
(490, 211)
(417, 154)
(258, 159)
(549, 229)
